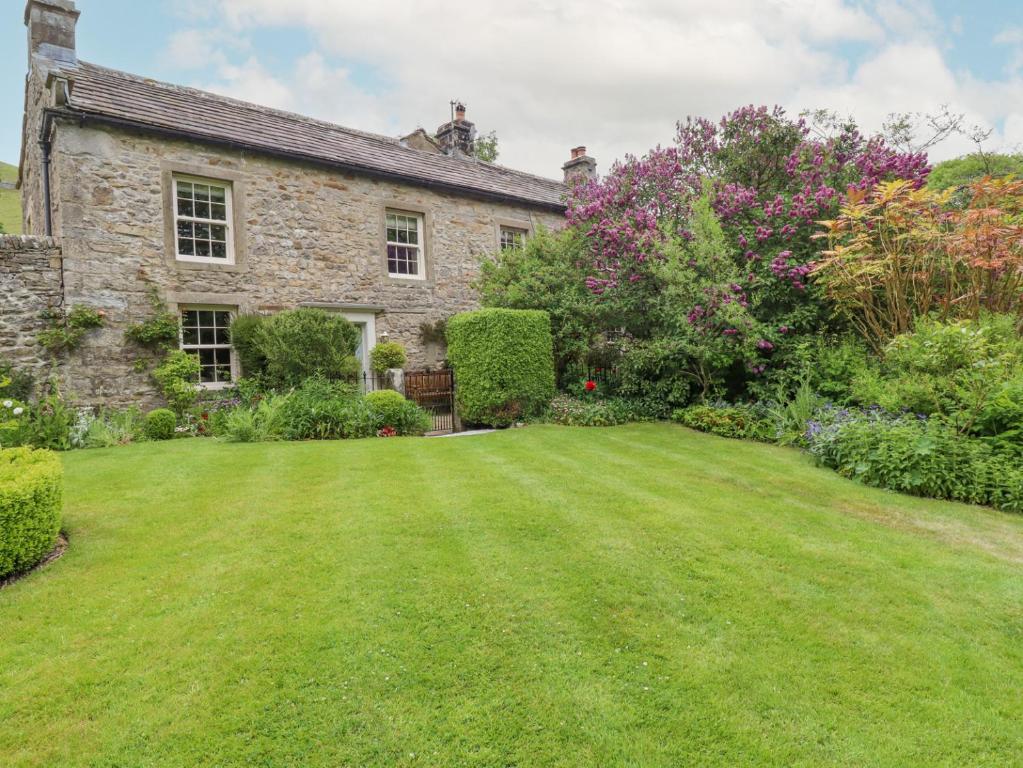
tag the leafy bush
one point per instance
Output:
(390, 409)
(301, 343)
(177, 377)
(66, 330)
(919, 456)
(898, 253)
(160, 424)
(246, 338)
(387, 355)
(789, 418)
(159, 331)
(737, 421)
(109, 428)
(326, 410)
(504, 364)
(31, 499)
(48, 424)
(955, 369)
(574, 412)
(263, 422)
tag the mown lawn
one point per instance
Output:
(632, 596)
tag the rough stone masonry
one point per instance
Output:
(307, 231)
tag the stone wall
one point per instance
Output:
(29, 285)
(306, 235)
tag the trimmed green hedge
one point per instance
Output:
(31, 497)
(504, 364)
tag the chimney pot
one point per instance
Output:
(458, 137)
(580, 168)
(51, 30)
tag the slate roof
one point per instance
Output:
(117, 97)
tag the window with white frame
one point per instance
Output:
(512, 237)
(202, 220)
(206, 333)
(405, 245)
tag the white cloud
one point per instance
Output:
(550, 74)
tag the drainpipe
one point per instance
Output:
(47, 145)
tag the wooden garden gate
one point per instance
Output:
(434, 392)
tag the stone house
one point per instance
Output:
(132, 186)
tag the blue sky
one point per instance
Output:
(549, 75)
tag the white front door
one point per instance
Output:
(366, 324)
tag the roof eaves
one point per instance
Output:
(84, 116)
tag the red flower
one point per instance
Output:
(590, 385)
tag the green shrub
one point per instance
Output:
(504, 364)
(302, 343)
(737, 421)
(246, 338)
(392, 410)
(30, 507)
(66, 330)
(178, 377)
(160, 330)
(919, 456)
(263, 422)
(789, 418)
(387, 355)
(49, 423)
(160, 424)
(111, 428)
(954, 370)
(326, 410)
(577, 412)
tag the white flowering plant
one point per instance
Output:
(13, 415)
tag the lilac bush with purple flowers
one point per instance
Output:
(770, 179)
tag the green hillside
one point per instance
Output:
(10, 200)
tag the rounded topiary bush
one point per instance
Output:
(504, 364)
(387, 355)
(390, 409)
(160, 424)
(31, 497)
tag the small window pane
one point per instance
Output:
(186, 247)
(202, 248)
(218, 194)
(222, 319)
(189, 335)
(202, 210)
(218, 251)
(218, 212)
(184, 189)
(185, 208)
(218, 232)
(184, 229)
(207, 336)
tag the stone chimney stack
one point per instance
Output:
(459, 136)
(51, 30)
(580, 168)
